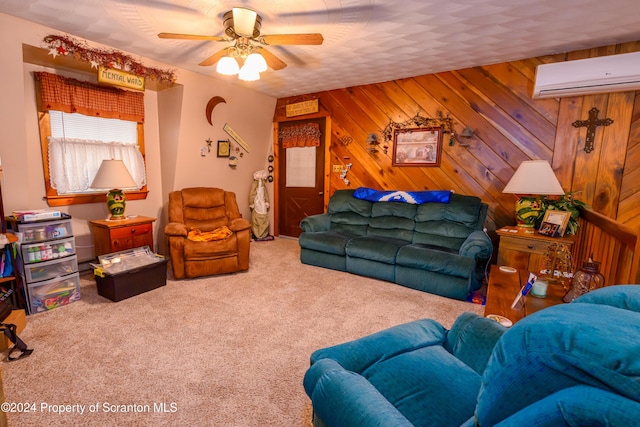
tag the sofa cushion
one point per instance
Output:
(325, 241)
(375, 248)
(343, 201)
(202, 250)
(393, 209)
(440, 233)
(463, 209)
(391, 226)
(443, 262)
(429, 386)
(350, 223)
(622, 296)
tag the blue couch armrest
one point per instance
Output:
(577, 406)
(477, 246)
(472, 339)
(361, 353)
(318, 222)
(343, 398)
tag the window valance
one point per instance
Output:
(61, 93)
(307, 135)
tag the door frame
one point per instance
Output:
(276, 177)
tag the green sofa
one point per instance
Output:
(440, 248)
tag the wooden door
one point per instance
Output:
(297, 202)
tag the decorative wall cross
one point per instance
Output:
(591, 124)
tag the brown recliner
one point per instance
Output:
(206, 209)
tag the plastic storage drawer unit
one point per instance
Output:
(51, 269)
(45, 251)
(54, 293)
(41, 231)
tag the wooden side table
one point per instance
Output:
(526, 251)
(503, 288)
(119, 235)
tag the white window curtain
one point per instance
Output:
(79, 143)
(73, 163)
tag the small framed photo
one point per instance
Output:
(224, 149)
(559, 218)
(549, 229)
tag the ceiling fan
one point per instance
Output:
(242, 27)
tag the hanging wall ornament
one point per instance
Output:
(211, 105)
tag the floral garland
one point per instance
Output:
(421, 122)
(63, 45)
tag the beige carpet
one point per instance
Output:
(221, 351)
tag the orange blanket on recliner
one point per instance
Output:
(219, 233)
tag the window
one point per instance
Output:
(79, 143)
(82, 124)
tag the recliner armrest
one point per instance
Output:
(344, 398)
(176, 229)
(472, 339)
(359, 354)
(319, 222)
(477, 246)
(239, 224)
(579, 405)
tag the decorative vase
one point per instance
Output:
(584, 280)
(116, 203)
(528, 210)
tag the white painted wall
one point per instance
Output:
(175, 129)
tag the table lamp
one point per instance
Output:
(532, 180)
(114, 175)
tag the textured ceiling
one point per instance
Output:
(365, 41)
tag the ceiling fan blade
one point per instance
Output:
(293, 39)
(189, 37)
(243, 21)
(214, 58)
(272, 61)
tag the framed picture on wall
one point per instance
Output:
(224, 149)
(417, 146)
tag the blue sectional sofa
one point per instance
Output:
(436, 247)
(574, 364)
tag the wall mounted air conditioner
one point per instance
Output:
(614, 73)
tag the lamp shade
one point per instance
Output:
(248, 74)
(534, 177)
(227, 66)
(113, 174)
(256, 62)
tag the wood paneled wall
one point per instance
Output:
(509, 127)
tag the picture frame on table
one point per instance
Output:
(549, 229)
(417, 147)
(558, 218)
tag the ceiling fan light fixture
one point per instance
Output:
(248, 74)
(228, 66)
(255, 61)
(244, 21)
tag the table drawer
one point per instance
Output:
(523, 245)
(134, 230)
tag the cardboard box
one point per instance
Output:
(133, 282)
(18, 318)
